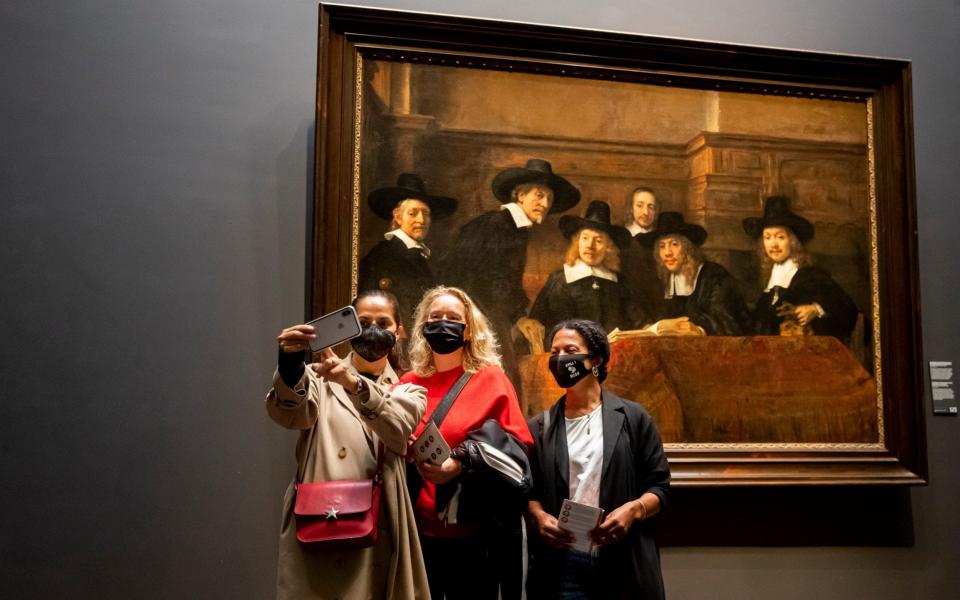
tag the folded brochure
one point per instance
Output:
(430, 447)
(579, 520)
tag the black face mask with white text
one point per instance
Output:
(444, 336)
(373, 343)
(568, 369)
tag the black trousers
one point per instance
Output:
(475, 568)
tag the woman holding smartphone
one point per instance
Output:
(343, 409)
(594, 448)
(451, 336)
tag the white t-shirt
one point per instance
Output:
(585, 452)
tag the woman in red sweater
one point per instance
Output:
(451, 335)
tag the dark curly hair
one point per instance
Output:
(595, 337)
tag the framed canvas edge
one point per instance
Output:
(345, 31)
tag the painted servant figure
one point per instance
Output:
(798, 296)
(588, 285)
(490, 253)
(638, 266)
(697, 289)
(400, 263)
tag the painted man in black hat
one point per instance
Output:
(400, 262)
(694, 288)
(798, 296)
(490, 254)
(588, 286)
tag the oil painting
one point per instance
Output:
(734, 235)
(671, 216)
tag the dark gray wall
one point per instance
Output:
(154, 184)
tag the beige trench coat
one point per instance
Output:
(338, 440)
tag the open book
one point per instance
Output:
(679, 326)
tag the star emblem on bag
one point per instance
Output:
(332, 513)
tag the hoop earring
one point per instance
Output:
(596, 372)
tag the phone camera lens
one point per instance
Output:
(345, 313)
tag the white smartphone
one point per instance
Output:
(335, 327)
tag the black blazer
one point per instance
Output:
(633, 463)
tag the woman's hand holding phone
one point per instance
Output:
(296, 338)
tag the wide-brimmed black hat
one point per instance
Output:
(672, 223)
(777, 213)
(409, 185)
(597, 218)
(565, 196)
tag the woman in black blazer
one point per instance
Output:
(594, 448)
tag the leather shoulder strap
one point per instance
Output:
(444, 407)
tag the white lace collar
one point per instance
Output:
(520, 218)
(580, 269)
(408, 241)
(636, 230)
(782, 274)
(680, 286)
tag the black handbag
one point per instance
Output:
(496, 479)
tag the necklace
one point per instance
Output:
(587, 417)
(590, 418)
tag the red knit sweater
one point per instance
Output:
(488, 395)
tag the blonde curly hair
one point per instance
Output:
(480, 350)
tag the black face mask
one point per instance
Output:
(373, 343)
(568, 369)
(444, 336)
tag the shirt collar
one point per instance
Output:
(408, 241)
(520, 218)
(782, 274)
(635, 229)
(580, 269)
(388, 377)
(680, 286)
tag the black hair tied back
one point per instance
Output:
(595, 337)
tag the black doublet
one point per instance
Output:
(594, 298)
(715, 304)
(487, 261)
(639, 275)
(809, 285)
(404, 272)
